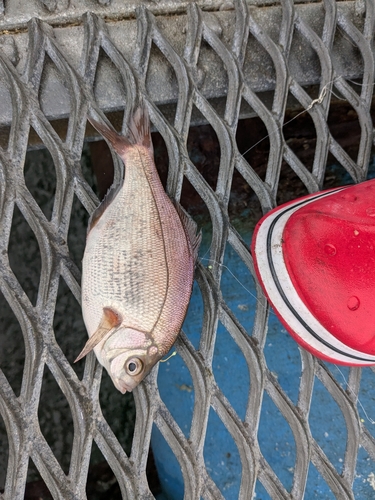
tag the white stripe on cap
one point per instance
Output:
(284, 297)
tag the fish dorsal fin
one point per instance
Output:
(190, 228)
(110, 320)
(139, 127)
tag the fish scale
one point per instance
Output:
(129, 258)
(138, 265)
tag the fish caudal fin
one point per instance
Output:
(138, 132)
(139, 127)
(119, 142)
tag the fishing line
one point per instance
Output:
(360, 84)
(345, 35)
(369, 419)
(271, 312)
(356, 395)
(317, 101)
(239, 282)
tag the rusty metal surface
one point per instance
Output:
(45, 74)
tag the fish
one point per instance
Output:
(138, 264)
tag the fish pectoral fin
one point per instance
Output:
(190, 228)
(110, 320)
(92, 342)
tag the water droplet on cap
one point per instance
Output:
(353, 303)
(330, 249)
(370, 211)
(349, 197)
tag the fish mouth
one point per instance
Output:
(121, 386)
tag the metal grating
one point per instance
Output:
(328, 31)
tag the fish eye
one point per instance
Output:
(134, 366)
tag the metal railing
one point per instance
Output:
(213, 67)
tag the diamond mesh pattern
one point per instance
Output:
(20, 414)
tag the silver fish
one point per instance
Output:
(138, 265)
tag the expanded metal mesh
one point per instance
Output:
(352, 22)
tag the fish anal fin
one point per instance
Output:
(110, 320)
(190, 228)
(120, 144)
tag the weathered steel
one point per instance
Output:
(259, 67)
(226, 64)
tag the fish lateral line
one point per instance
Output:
(166, 231)
(138, 135)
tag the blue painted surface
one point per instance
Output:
(275, 436)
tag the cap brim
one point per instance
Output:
(272, 273)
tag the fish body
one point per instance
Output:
(138, 264)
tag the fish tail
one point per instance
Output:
(119, 142)
(138, 132)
